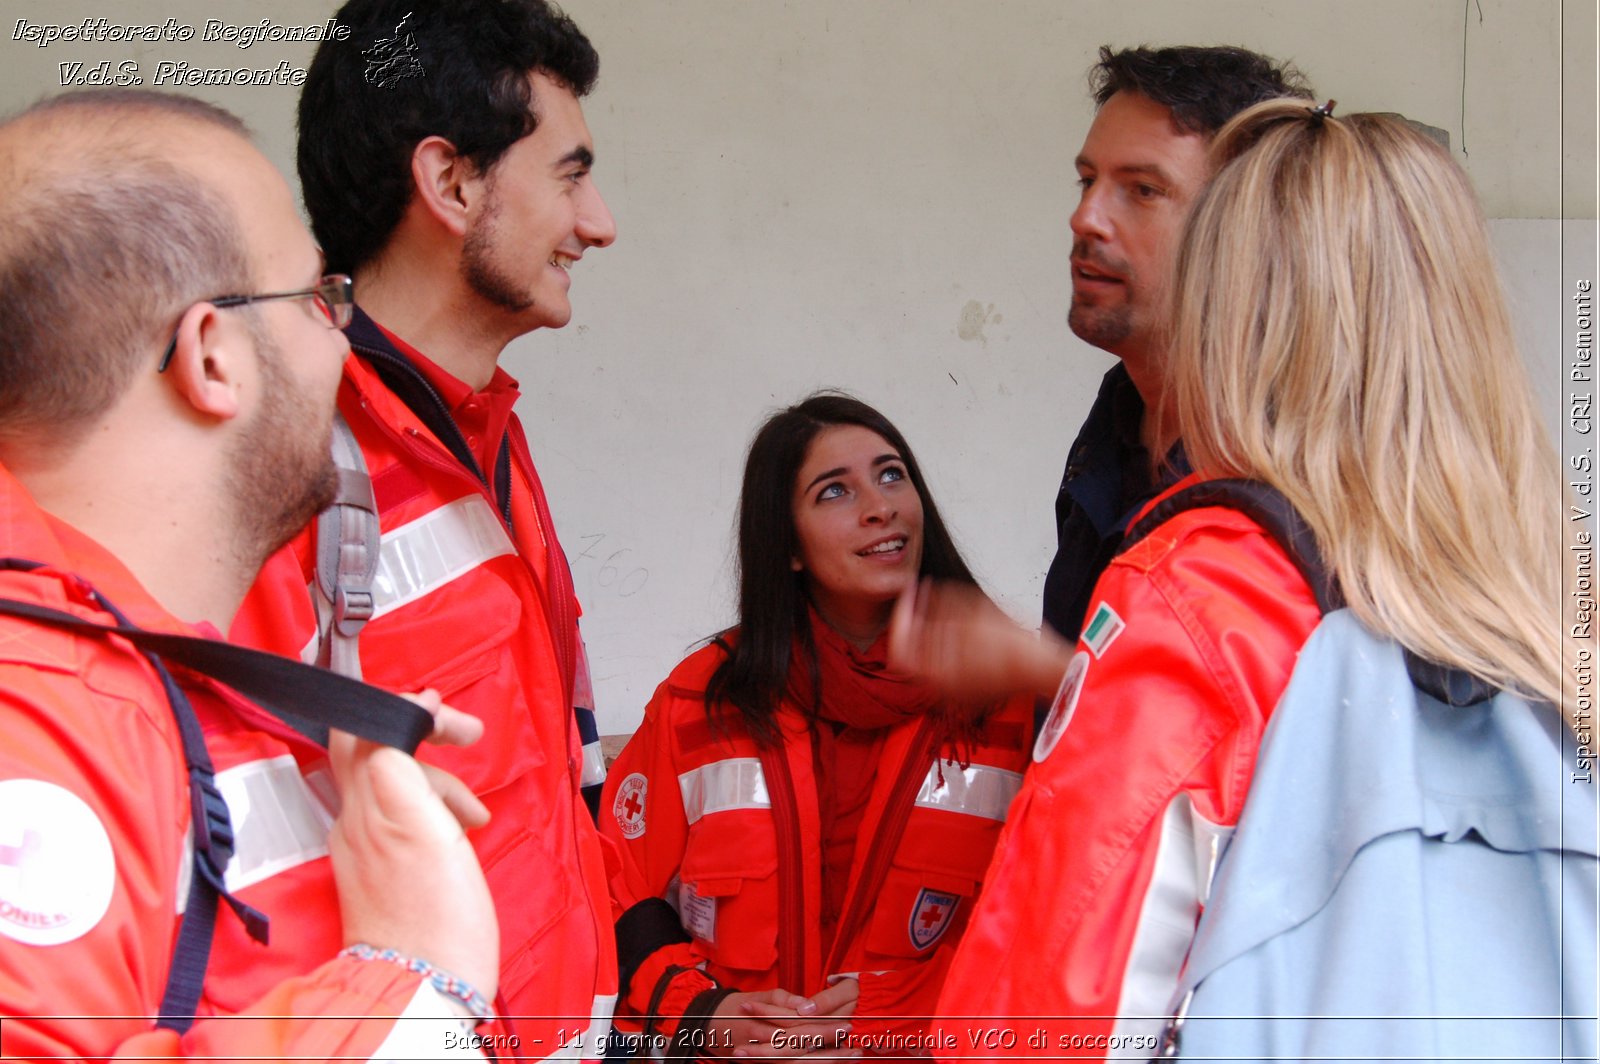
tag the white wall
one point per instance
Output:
(874, 194)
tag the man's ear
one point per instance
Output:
(208, 363)
(446, 182)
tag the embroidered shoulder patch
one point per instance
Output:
(1102, 630)
(931, 915)
(628, 807)
(1061, 710)
(57, 871)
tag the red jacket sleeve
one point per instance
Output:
(94, 808)
(1093, 895)
(642, 817)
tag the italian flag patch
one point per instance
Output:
(1102, 630)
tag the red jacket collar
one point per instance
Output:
(78, 562)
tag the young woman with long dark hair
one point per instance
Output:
(803, 833)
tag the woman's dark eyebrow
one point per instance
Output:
(820, 477)
(876, 462)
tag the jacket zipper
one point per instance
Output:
(562, 614)
(791, 869)
(885, 842)
(564, 621)
(442, 423)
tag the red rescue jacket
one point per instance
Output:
(1138, 780)
(466, 606)
(730, 834)
(94, 865)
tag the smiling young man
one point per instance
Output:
(446, 165)
(1140, 168)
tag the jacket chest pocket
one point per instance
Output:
(727, 894)
(930, 890)
(918, 909)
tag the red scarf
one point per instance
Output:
(858, 690)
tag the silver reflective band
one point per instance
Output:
(278, 821)
(737, 783)
(977, 790)
(1187, 846)
(430, 1028)
(594, 764)
(592, 1045)
(426, 554)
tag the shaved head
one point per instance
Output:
(113, 222)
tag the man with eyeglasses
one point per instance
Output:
(169, 365)
(445, 164)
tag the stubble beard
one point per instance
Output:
(280, 477)
(1104, 327)
(479, 269)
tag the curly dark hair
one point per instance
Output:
(1203, 87)
(409, 71)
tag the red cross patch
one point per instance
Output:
(57, 872)
(629, 805)
(931, 915)
(1062, 709)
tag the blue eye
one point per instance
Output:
(891, 474)
(831, 491)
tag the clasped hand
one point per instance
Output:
(776, 1023)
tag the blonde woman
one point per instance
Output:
(1340, 343)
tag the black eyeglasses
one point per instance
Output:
(334, 296)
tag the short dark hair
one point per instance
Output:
(409, 71)
(1203, 87)
(99, 254)
(773, 605)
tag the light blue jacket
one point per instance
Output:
(1409, 880)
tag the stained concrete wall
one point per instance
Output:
(874, 194)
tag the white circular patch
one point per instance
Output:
(629, 805)
(57, 872)
(1062, 708)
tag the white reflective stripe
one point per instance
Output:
(594, 764)
(737, 783)
(670, 895)
(430, 1028)
(308, 653)
(278, 822)
(1210, 843)
(977, 790)
(1166, 926)
(426, 554)
(592, 1045)
(185, 870)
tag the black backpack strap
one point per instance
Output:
(1268, 507)
(212, 839)
(422, 399)
(309, 700)
(1264, 505)
(321, 700)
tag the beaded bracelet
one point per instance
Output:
(449, 985)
